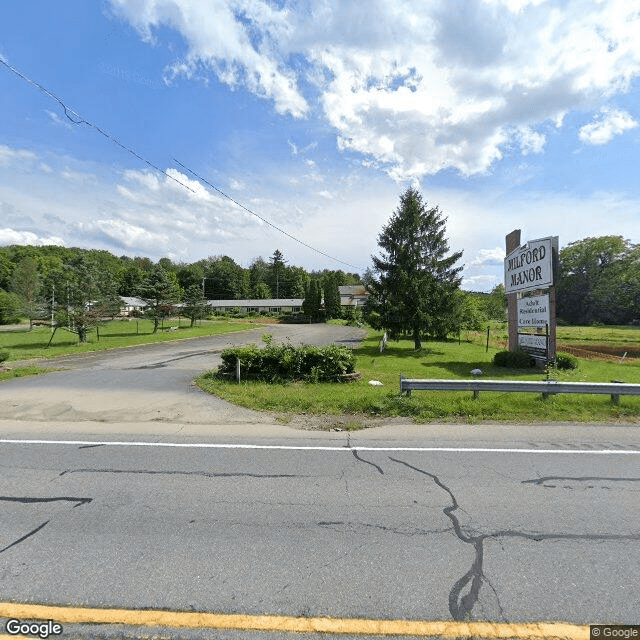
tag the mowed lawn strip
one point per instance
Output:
(440, 360)
(23, 344)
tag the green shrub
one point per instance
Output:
(4, 355)
(516, 359)
(286, 362)
(566, 361)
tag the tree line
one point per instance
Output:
(74, 287)
(414, 285)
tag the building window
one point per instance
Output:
(274, 309)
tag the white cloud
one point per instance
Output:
(415, 87)
(9, 155)
(531, 141)
(78, 177)
(237, 41)
(488, 256)
(128, 235)
(13, 236)
(484, 282)
(612, 122)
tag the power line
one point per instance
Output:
(253, 213)
(76, 118)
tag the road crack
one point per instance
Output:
(28, 500)
(461, 605)
(204, 474)
(357, 456)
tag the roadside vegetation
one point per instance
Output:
(444, 360)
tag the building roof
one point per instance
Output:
(270, 302)
(131, 301)
(353, 290)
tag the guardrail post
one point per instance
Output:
(408, 391)
(615, 397)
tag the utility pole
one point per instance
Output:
(53, 302)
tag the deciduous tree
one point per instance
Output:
(160, 291)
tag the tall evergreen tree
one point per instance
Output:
(332, 303)
(312, 299)
(277, 268)
(416, 284)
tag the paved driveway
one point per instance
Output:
(149, 383)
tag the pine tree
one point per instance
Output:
(277, 267)
(312, 299)
(414, 291)
(332, 305)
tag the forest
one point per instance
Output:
(35, 280)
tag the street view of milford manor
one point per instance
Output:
(320, 320)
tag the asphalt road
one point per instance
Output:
(509, 524)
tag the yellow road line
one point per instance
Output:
(240, 622)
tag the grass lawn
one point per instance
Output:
(443, 360)
(24, 344)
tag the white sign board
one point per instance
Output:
(529, 267)
(534, 344)
(533, 311)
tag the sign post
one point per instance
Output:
(512, 242)
(531, 268)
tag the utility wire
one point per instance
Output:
(76, 118)
(253, 213)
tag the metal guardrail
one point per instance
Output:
(545, 387)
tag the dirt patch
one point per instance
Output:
(604, 351)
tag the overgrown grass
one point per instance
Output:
(24, 344)
(442, 360)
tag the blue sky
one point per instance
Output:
(317, 115)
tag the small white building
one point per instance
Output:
(272, 305)
(132, 305)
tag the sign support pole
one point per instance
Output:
(552, 301)
(512, 243)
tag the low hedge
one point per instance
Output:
(516, 359)
(285, 362)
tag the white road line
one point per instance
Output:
(207, 445)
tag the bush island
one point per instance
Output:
(285, 362)
(566, 361)
(516, 359)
